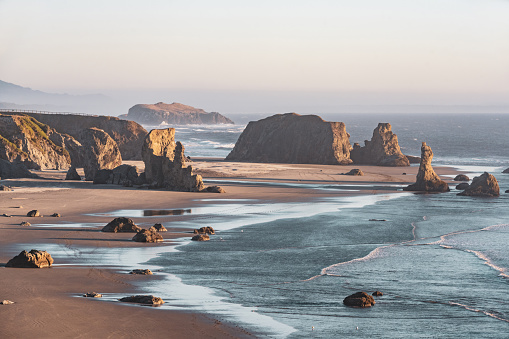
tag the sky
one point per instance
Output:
(242, 56)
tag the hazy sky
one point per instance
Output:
(351, 52)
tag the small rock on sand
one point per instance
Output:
(55, 215)
(25, 223)
(142, 299)
(7, 302)
(141, 272)
(33, 214)
(92, 295)
(201, 237)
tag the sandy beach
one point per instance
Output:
(46, 300)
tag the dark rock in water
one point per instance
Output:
(506, 170)
(295, 139)
(34, 213)
(427, 179)
(205, 230)
(174, 114)
(72, 174)
(32, 259)
(5, 188)
(461, 177)
(413, 160)
(99, 151)
(165, 164)
(92, 295)
(214, 189)
(102, 176)
(25, 223)
(359, 299)
(11, 170)
(377, 294)
(355, 171)
(158, 228)
(507, 191)
(121, 224)
(6, 215)
(462, 186)
(377, 220)
(484, 185)
(149, 235)
(382, 150)
(201, 237)
(143, 299)
(141, 272)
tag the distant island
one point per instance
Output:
(173, 114)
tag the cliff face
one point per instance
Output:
(128, 135)
(175, 113)
(382, 150)
(292, 138)
(24, 139)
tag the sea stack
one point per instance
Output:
(485, 185)
(382, 150)
(295, 139)
(427, 179)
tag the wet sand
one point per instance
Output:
(46, 305)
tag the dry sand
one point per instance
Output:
(44, 303)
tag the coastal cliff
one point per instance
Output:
(128, 135)
(293, 138)
(25, 140)
(173, 114)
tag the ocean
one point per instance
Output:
(440, 260)
(283, 269)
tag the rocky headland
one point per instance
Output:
(382, 150)
(293, 138)
(173, 114)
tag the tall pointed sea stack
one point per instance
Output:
(382, 150)
(295, 139)
(427, 179)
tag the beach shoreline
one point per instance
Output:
(37, 304)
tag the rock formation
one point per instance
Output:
(26, 140)
(165, 163)
(462, 186)
(9, 170)
(158, 228)
(92, 295)
(506, 170)
(5, 188)
(461, 177)
(149, 235)
(382, 150)
(293, 138)
(25, 223)
(125, 175)
(121, 224)
(72, 174)
(377, 294)
(413, 160)
(33, 214)
(173, 114)
(355, 171)
(32, 259)
(143, 299)
(201, 237)
(141, 272)
(204, 230)
(99, 151)
(484, 185)
(128, 135)
(359, 299)
(427, 179)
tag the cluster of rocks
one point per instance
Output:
(122, 224)
(485, 185)
(203, 233)
(293, 138)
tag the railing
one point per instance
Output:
(28, 111)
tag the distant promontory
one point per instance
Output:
(173, 114)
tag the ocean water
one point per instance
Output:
(442, 261)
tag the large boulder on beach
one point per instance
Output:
(427, 179)
(72, 174)
(99, 151)
(165, 163)
(382, 150)
(173, 114)
(142, 299)
(485, 185)
(126, 175)
(359, 299)
(32, 259)
(121, 224)
(11, 170)
(150, 235)
(293, 138)
(354, 172)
